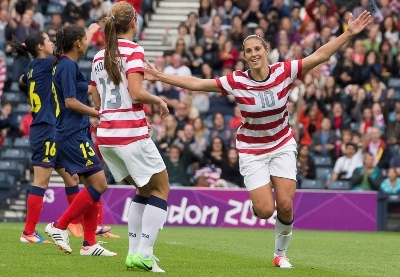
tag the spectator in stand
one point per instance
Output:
(178, 68)
(345, 165)
(295, 17)
(177, 163)
(322, 14)
(197, 61)
(193, 111)
(187, 137)
(193, 24)
(98, 10)
(180, 48)
(237, 33)
(5, 28)
(252, 15)
(206, 13)
(167, 134)
(323, 141)
(25, 125)
(200, 101)
(182, 116)
(359, 53)
(188, 36)
(236, 120)
(21, 31)
(378, 148)
(209, 172)
(99, 38)
(210, 46)
(368, 176)
(305, 165)
(377, 115)
(359, 9)
(56, 25)
(8, 121)
(367, 121)
(393, 130)
(227, 11)
(137, 5)
(74, 10)
(340, 119)
(391, 185)
(170, 96)
(371, 66)
(388, 30)
(228, 54)
(372, 41)
(346, 137)
(293, 119)
(279, 5)
(207, 71)
(201, 132)
(336, 27)
(230, 173)
(346, 71)
(311, 119)
(221, 130)
(389, 62)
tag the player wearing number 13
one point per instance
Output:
(265, 141)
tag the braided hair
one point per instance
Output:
(65, 40)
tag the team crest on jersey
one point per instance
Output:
(46, 160)
(89, 162)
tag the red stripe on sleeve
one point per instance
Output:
(223, 91)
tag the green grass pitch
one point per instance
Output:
(211, 252)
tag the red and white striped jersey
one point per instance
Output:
(263, 105)
(122, 120)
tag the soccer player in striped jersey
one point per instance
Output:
(267, 149)
(74, 146)
(44, 110)
(123, 137)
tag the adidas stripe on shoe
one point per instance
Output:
(60, 237)
(96, 250)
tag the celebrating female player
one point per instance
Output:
(123, 137)
(74, 146)
(41, 136)
(267, 149)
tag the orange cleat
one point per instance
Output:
(75, 229)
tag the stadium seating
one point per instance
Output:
(339, 185)
(7, 186)
(21, 143)
(12, 168)
(394, 82)
(312, 184)
(7, 143)
(13, 97)
(22, 108)
(322, 161)
(323, 173)
(90, 53)
(19, 155)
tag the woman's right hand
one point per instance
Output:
(150, 72)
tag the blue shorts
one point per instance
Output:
(78, 156)
(44, 150)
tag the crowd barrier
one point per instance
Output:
(227, 208)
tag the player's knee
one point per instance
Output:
(264, 212)
(285, 207)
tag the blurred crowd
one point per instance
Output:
(345, 112)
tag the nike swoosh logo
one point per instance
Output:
(281, 249)
(148, 267)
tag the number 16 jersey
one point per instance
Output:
(122, 120)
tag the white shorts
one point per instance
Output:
(258, 169)
(140, 159)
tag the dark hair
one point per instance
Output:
(117, 21)
(65, 40)
(28, 47)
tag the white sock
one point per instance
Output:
(283, 235)
(135, 216)
(154, 216)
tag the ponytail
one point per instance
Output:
(18, 48)
(112, 55)
(28, 49)
(59, 47)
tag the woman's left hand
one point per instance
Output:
(359, 24)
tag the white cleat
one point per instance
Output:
(60, 237)
(96, 250)
(156, 268)
(282, 262)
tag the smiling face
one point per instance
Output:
(255, 53)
